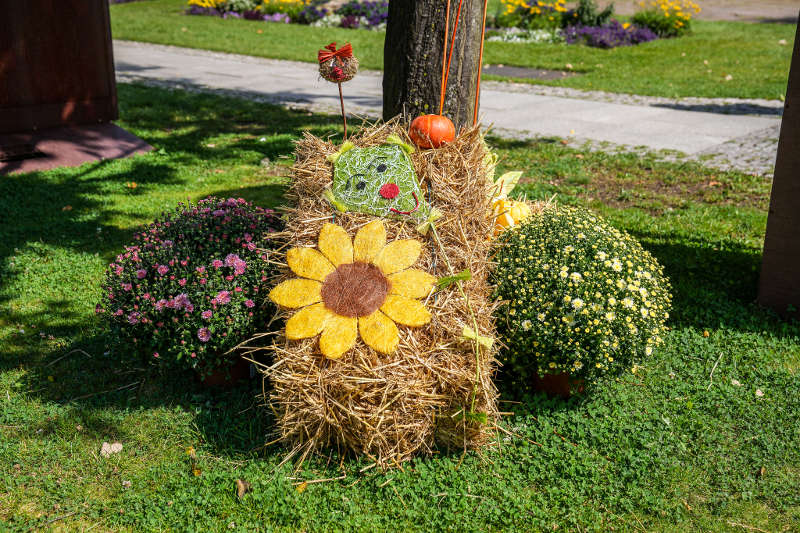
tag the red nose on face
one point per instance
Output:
(389, 191)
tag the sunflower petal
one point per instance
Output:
(379, 332)
(297, 292)
(412, 283)
(398, 255)
(335, 244)
(309, 263)
(406, 311)
(307, 322)
(339, 336)
(369, 240)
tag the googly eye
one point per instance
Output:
(381, 168)
(360, 185)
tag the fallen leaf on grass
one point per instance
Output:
(107, 450)
(301, 487)
(242, 488)
(759, 393)
(67, 208)
(196, 471)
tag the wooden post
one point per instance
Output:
(56, 65)
(779, 286)
(412, 58)
(58, 92)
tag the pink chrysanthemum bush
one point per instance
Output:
(194, 283)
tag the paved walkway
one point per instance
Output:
(515, 110)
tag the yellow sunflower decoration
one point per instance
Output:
(346, 288)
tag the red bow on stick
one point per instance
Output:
(331, 52)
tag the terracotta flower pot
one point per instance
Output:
(227, 376)
(558, 385)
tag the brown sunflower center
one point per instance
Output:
(355, 289)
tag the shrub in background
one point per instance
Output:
(611, 35)
(666, 18)
(583, 297)
(587, 14)
(364, 14)
(290, 8)
(531, 15)
(193, 283)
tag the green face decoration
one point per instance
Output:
(380, 181)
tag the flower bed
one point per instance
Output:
(191, 286)
(549, 21)
(370, 15)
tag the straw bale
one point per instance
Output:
(428, 391)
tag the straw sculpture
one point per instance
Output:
(435, 389)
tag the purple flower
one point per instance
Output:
(204, 334)
(119, 270)
(141, 273)
(162, 269)
(277, 17)
(200, 269)
(223, 297)
(231, 259)
(126, 286)
(239, 267)
(219, 213)
(609, 35)
(118, 312)
(207, 314)
(161, 304)
(133, 318)
(216, 263)
(249, 303)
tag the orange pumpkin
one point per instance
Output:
(432, 131)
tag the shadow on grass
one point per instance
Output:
(64, 353)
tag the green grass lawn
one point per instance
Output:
(680, 446)
(697, 65)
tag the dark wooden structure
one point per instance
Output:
(57, 70)
(412, 59)
(779, 287)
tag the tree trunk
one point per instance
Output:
(413, 59)
(779, 287)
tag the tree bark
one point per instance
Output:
(779, 287)
(413, 52)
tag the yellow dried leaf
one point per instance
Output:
(412, 283)
(406, 311)
(369, 241)
(307, 322)
(379, 332)
(335, 244)
(398, 255)
(298, 292)
(309, 263)
(339, 336)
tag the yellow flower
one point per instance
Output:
(349, 287)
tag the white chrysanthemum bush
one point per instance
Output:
(582, 297)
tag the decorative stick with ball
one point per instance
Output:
(338, 66)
